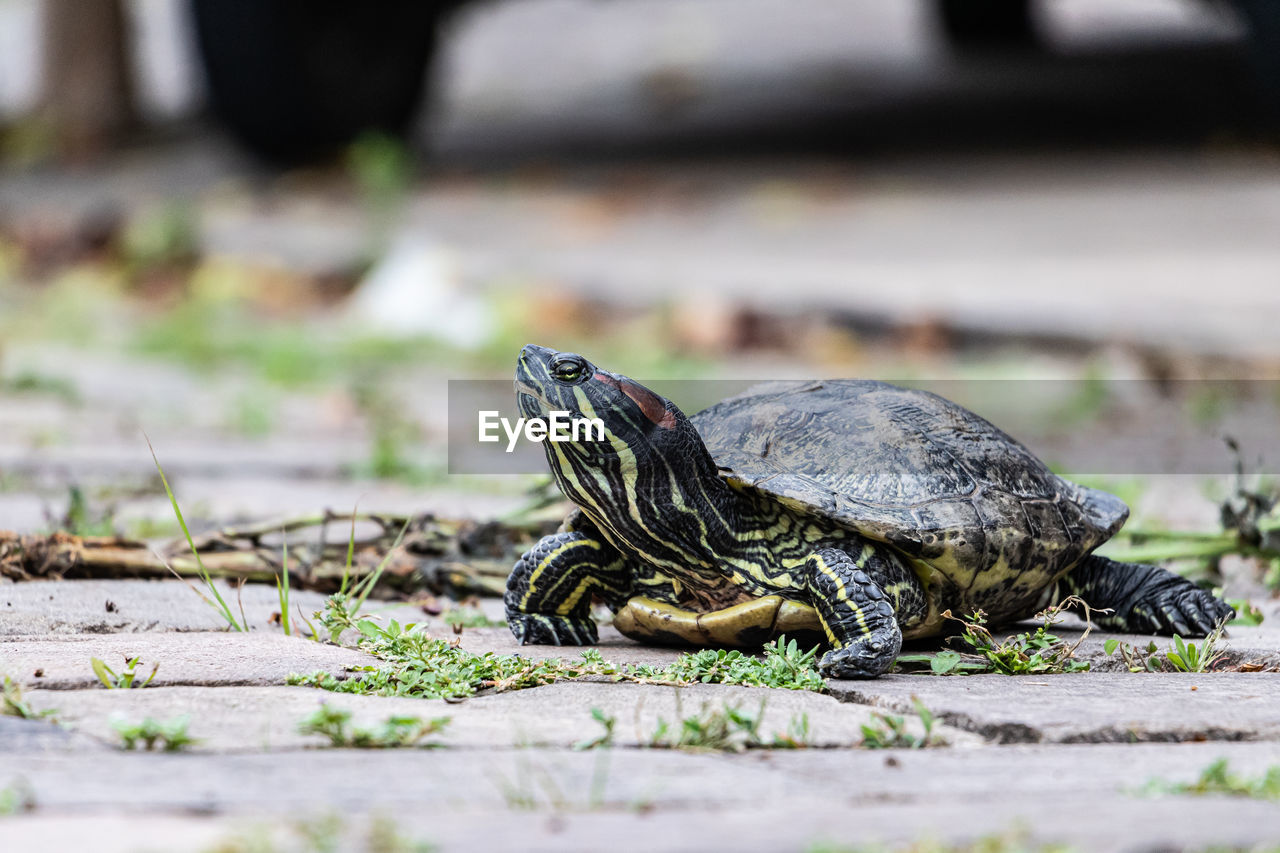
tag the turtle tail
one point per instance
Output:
(1104, 511)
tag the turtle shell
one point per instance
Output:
(916, 471)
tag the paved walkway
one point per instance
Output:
(1066, 758)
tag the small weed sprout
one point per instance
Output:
(1247, 613)
(12, 704)
(17, 797)
(1217, 778)
(605, 738)
(396, 732)
(282, 585)
(322, 833)
(342, 609)
(80, 521)
(416, 664)
(1029, 653)
(127, 678)
(1032, 653)
(459, 618)
(218, 602)
(170, 736)
(1187, 657)
(889, 731)
(727, 729)
(797, 735)
(1180, 657)
(384, 837)
(1135, 659)
(1017, 840)
(783, 666)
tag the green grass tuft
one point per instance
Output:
(221, 605)
(170, 736)
(128, 676)
(395, 732)
(1217, 778)
(727, 729)
(12, 703)
(888, 731)
(784, 665)
(1036, 652)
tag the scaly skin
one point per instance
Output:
(1144, 599)
(549, 592)
(858, 620)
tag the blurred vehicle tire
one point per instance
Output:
(297, 79)
(1262, 17)
(988, 23)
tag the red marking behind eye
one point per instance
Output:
(650, 403)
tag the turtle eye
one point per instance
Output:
(568, 368)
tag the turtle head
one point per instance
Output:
(636, 430)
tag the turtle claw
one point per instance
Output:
(1206, 612)
(1191, 613)
(1147, 599)
(869, 657)
(549, 630)
(1202, 612)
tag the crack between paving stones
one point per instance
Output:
(1001, 733)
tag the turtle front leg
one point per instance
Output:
(1145, 599)
(860, 620)
(549, 591)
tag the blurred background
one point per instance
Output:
(268, 232)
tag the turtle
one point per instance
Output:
(858, 511)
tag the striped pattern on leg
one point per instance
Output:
(857, 618)
(549, 592)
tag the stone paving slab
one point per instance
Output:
(19, 735)
(217, 658)
(1087, 824)
(1093, 707)
(251, 718)
(469, 778)
(646, 800)
(131, 606)
(81, 607)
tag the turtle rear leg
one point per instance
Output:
(860, 601)
(549, 592)
(1145, 599)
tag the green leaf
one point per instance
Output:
(1246, 613)
(104, 673)
(1110, 645)
(223, 608)
(282, 588)
(915, 658)
(944, 662)
(926, 716)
